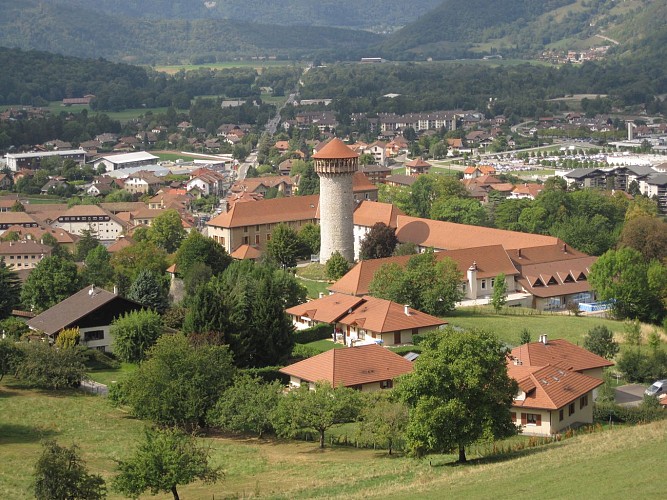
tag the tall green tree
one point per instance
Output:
(198, 248)
(284, 246)
(149, 290)
(320, 409)
(337, 266)
(167, 231)
(134, 333)
(309, 237)
(647, 235)
(165, 460)
(61, 474)
(86, 243)
(52, 280)
(459, 210)
(98, 269)
(458, 392)
(379, 242)
(142, 256)
(178, 384)
(10, 290)
(499, 296)
(383, 419)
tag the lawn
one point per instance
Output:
(314, 288)
(110, 376)
(257, 65)
(617, 463)
(508, 326)
(324, 345)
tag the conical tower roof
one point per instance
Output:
(335, 149)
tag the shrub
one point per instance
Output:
(50, 368)
(68, 338)
(303, 351)
(641, 414)
(317, 332)
(267, 374)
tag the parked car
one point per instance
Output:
(658, 388)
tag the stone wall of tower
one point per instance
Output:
(336, 216)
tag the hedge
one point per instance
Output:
(318, 332)
(641, 414)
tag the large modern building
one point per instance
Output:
(32, 161)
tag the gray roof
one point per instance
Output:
(658, 180)
(72, 309)
(580, 173)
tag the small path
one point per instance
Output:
(608, 39)
(94, 387)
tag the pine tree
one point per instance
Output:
(10, 290)
(148, 291)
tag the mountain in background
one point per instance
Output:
(182, 31)
(524, 28)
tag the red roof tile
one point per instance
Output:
(559, 352)
(335, 149)
(351, 366)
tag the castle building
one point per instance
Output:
(336, 165)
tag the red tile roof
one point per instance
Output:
(246, 252)
(328, 309)
(491, 260)
(335, 149)
(271, 211)
(449, 235)
(351, 366)
(369, 213)
(558, 352)
(550, 387)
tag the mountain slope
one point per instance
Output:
(66, 29)
(524, 28)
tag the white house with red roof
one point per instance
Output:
(557, 382)
(364, 320)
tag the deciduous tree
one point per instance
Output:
(52, 280)
(337, 266)
(458, 392)
(165, 460)
(600, 340)
(98, 269)
(320, 409)
(284, 246)
(383, 419)
(379, 242)
(61, 474)
(198, 248)
(134, 333)
(167, 231)
(499, 296)
(49, 368)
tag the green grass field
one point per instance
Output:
(314, 288)
(508, 326)
(619, 463)
(258, 65)
(110, 376)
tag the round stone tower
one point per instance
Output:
(336, 164)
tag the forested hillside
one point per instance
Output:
(61, 27)
(360, 14)
(523, 28)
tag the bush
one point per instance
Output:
(641, 414)
(50, 368)
(317, 332)
(303, 351)
(94, 359)
(267, 374)
(643, 367)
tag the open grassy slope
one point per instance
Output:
(619, 463)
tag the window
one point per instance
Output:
(245, 229)
(257, 239)
(483, 284)
(560, 415)
(257, 227)
(361, 335)
(570, 409)
(493, 282)
(268, 237)
(533, 419)
(386, 384)
(583, 401)
(245, 240)
(93, 335)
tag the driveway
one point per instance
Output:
(630, 394)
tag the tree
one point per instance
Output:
(167, 231)
(247, 405)
(10, 356)
(632, 332)
(499, 297)
(10, 290)
(134, 333)
(383, 419)
(98, 270)
(336, 267)
(600, 340)
(178, 383)
(17, 207)
(150, 291)
(407, 248)
(165, 460)
(524, 337)
(68, 338)
(425, 283)
(309, 237)
(648, 235)
(319, 409)
(198, 248)
(86, 243)
(284, 246)
(459, 210)
(458, 392)
(61, 474)
(13, 328)
(379, 242)
(622, 276)
(143, 255)
(52, 280)
(47, 367)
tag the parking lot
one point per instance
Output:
(630, 394)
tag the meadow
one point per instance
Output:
(620, 462)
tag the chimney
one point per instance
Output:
(115, 289)
(406, 309)
(321, 294)
(564, 247)
(543, 339)
(520, 253)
